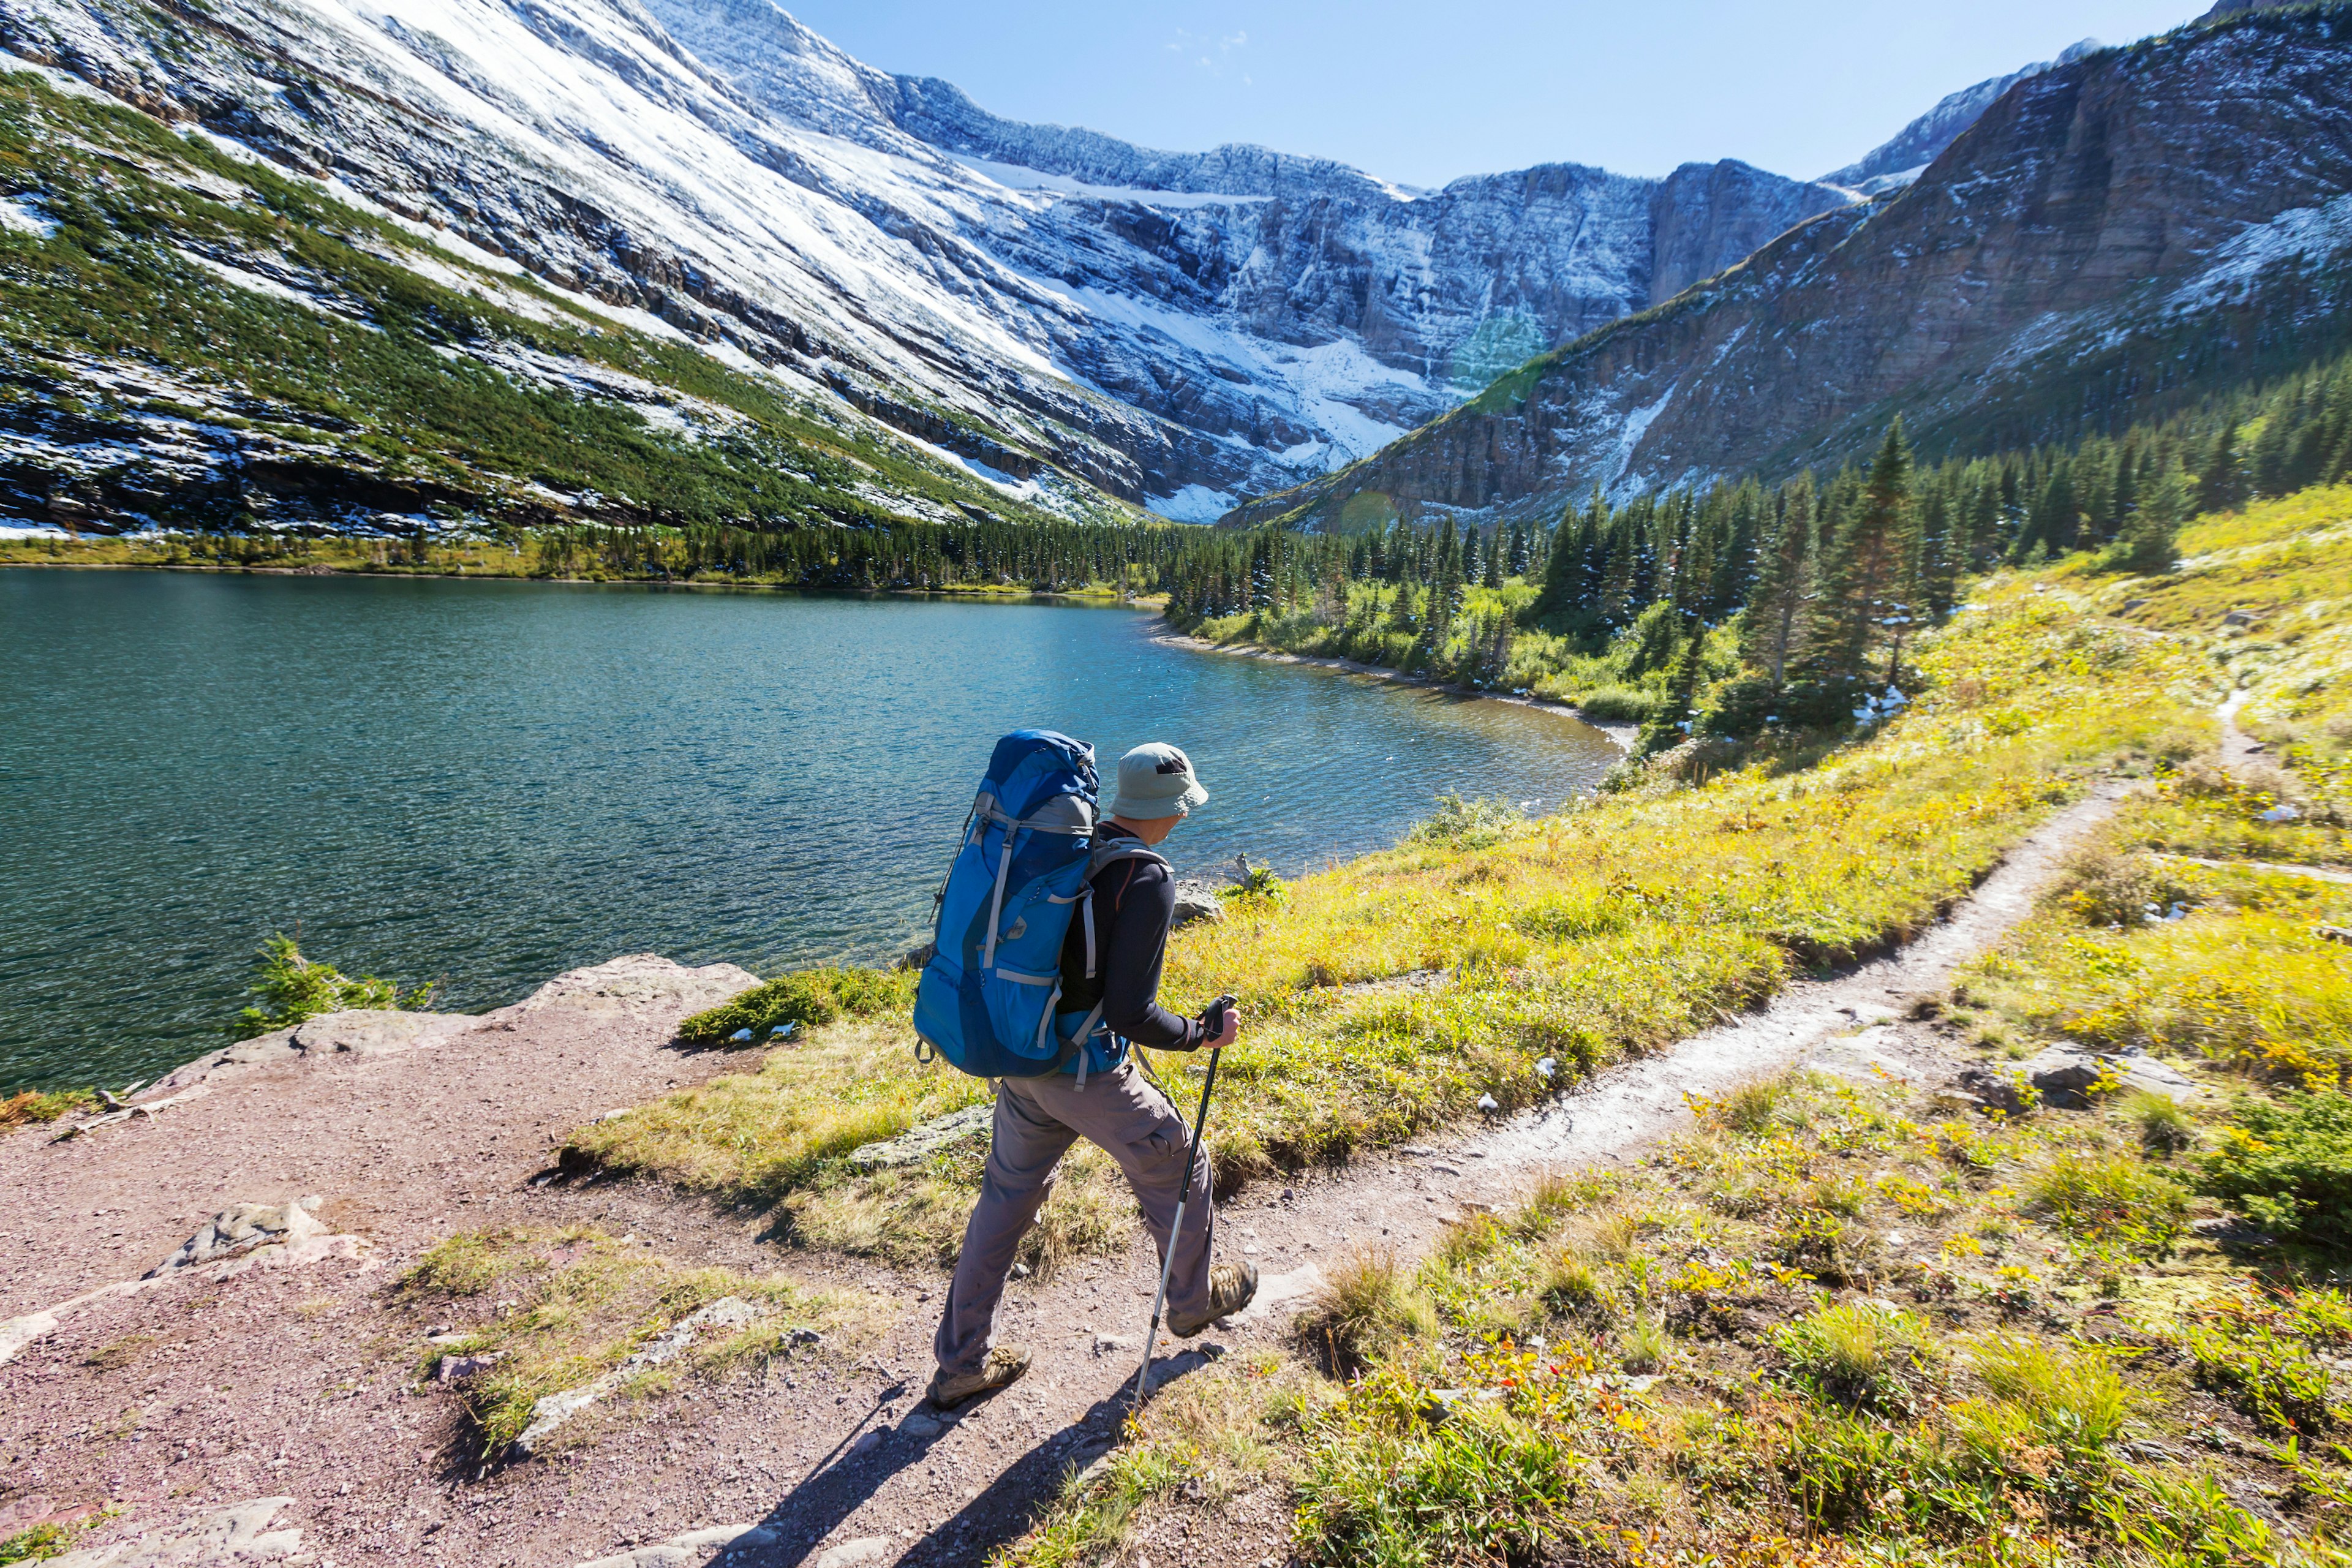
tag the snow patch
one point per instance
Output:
(1014, 177)
(2300, 235)
(1629, 437)
(23, 215)
(1193, 503)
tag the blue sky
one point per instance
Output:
(1423, 92)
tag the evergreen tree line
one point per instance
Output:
(1794, 603)
(1051, 557)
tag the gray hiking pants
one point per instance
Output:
(1037, 1120)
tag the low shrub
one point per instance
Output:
(1469, 824)
(289, 988)
(1858, 1354)
(2164, 1128)
(34, 1106)
(806, 999)
(1620, 704)
(1367, 1305)
(2272, 1376)
(2288, 1165)
(1573, 1287)
(2074, 1401)
(1384, 1486)
(2114, 1198)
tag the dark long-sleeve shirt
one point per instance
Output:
(1134, 906)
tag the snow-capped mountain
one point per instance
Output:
(1181, 329)
(2113, 236)
(1899, 160)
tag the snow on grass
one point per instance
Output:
(23, 215)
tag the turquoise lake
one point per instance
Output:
(484, 784)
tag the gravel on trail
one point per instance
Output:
(275, 1413)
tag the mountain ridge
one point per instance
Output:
(2129, 226)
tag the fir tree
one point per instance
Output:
(2218, 483)
(1863, 564)
(1784, 582)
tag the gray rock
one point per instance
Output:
(638, 983)
(855, 1554)
(2155, 1076)
(2064, 1075)
(1107, 1344)
(919, 1144)
(375, 1032)
(2004, 1090)
(552, 1411)
(241, 1229)
(684, 1550)
(240, 1534)
(1197, 899)
(457, 1368)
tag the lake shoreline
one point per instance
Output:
(1620, 734)
(960, 592)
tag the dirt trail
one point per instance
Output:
(293, 1387)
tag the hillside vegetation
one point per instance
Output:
(1837, 1323)
(197, 340)
(1871, 1323)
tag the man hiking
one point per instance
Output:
(1037, 1119)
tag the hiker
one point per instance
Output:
(1099, 1095)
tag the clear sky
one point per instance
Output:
(1423, 92)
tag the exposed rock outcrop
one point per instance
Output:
(2113, 235)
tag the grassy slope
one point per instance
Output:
(399, 385)
(1889, 1332)
(1606, 931)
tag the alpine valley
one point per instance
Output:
(278, 261)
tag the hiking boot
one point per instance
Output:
(1004, 1364)
(1230, 1285)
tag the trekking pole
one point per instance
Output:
(1215, 1019)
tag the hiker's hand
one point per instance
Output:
(1231, 1032)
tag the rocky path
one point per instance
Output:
(274, 1415)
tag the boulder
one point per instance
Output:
(2155, 1076)
(640, 983)
(374, 1032)
(919, 1144)
(236, 1231)
(240, 1534)
(2004, 1090)
(1197, 899)
(2064, 1075)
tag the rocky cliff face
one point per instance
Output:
(1898, 159)
(1184, 329)
(2112, 233)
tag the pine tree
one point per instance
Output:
(1784, 582)
(2148, 544)
(1493, 576)
(2220, 485)
(1863, 565)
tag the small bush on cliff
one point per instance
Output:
(290, 988)
(808, 999)
(33, 1106)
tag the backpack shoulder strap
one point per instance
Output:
(1110, 852)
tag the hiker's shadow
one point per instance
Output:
(883, 1445)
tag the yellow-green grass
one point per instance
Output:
(1952, 1396)
(1608, 930)
(2241, 979)
(2287, 565)
(560, 1307)
(32, 1107)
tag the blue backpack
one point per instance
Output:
(989, 998)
